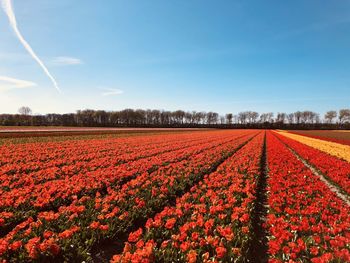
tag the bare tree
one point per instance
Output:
(344, 115)
(290, 118)
(229, 117)
(212, 117)
(222, 119)
(330, 116)
(281, 117)
(270, 117)
(263, 118)
(25, 110)
(253, 116)
(266, 117)
(242, 117)
(297, 116)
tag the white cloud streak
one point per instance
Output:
(8, 83)
(64, 61)
(111, 92)
(7, 6)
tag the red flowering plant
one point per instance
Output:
(333, 168)
(306, 220)
(209, 223)
(82, 178)
(324, 137)
(91, 219)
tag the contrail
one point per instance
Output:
(7, 6)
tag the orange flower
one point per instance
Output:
(192, 256)
(47, 234)
(184, 246)
(135, 236)
(220, 251)
(104, 227)
(170, 223)
(95, 225)
(16, 245)
(32, 247)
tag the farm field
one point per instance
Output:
(174, 196)
(339, 136)
(29, 132)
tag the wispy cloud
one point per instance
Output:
(7, 6)
(8, 83)
(111, 92)
(66, 61)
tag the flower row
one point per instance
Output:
(73, 231)
(306, 220)
(338, 150)
(334, 168)
(28, 201)
(40, 163)
(326, 137)
(209, 223)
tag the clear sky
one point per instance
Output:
(225, 56)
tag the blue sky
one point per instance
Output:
(225, 56)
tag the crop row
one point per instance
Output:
(19, 204)
(95, 161)
(335, 169)
(336, 149)
(40, 163)
(73, 231)
(307, 222)
(210, 222)
(325, 137)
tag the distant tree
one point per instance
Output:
(344, 115)
(242, 117)
(179, 118)
(270, 117)
(281, 117)
(298, 116)
(25, 110)
(229, 117)
(222, 120)
(253, 116)
(330, 116)
(290, 118)
(263, 118)
(212, 117)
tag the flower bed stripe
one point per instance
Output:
(334, 169)
(338, 150)
(54, 194)
(208, 223)
(324, 138)
(75, 229)
(307, 222)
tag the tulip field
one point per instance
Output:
(176, 196)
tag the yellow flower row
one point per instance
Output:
(336, 149)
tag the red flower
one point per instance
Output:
(47, 234)
(185, 246)
(135, 236)
(192, 256)
(95, 225)
(104, 227)
(170, 223)
(220, 252)
(16, 245)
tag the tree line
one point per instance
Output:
(179, 118)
